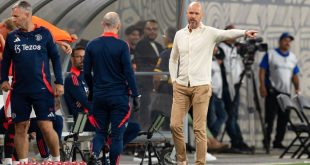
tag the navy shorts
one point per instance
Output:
(42, 103)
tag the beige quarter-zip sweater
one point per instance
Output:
(194, 50)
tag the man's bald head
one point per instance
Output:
(196, 5)
(111, 21)
(194, 15)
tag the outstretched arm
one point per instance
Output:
(223, 35)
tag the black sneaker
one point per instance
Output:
(266, 145)
(278, 146)
(93, 160)
(243, 147)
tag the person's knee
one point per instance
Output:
(46, 127)
(21, 128)
(176, 126)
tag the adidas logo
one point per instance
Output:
(51, 115)
(17, 39)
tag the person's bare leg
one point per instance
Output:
(50, 136)
(21, 139)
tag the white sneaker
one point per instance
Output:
(8, 161)
(210, 157)
(47, 159)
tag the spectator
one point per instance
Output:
(146, 57)
(133, 36)
(278, 70)
(147, 49)
(231, 71)
(162, 83)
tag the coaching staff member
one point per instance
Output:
(30, 48)
(190, 71)
(112, 82)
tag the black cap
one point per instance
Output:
(286, 35)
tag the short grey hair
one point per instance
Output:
(25, 5)
(111, 20)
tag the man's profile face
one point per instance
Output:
(151, 30)
(194, 15)
(20, 17)
(78, 58)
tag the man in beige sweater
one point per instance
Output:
(190, 70)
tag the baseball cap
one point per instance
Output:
(286, 35)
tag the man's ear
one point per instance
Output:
(118, 27)
(28, 15)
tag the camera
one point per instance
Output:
(248, 49)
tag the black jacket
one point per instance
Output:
(146, 57)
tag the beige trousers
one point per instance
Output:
(183, 98)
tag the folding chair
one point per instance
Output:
(303, 104)
(300, 129)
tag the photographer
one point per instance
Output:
(278, 69)
(231, 71)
